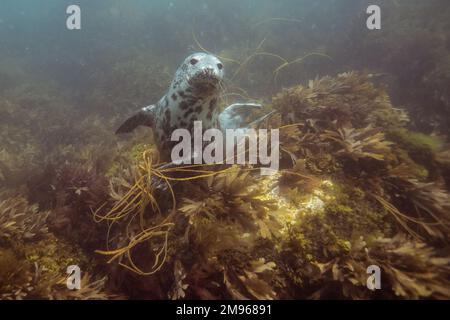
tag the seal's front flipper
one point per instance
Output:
(238, 115)
(145, 117)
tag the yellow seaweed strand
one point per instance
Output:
(253, 55)
(287, 64)
(207, 51)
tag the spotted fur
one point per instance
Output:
(192, 96)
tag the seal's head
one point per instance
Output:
(201, 72)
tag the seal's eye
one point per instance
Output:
(194, 61)
(220, 66)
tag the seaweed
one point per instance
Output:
(223, 232)
(412, 270)
(33, 261)
(352, 166)
(20, 220)
(359, 143)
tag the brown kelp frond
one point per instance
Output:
(224, 232)
(410, 270)
(427, 207)
(414, 269)
(359, 143)
(237, 192)
(132, 195)
(55, 288)
(253, 282)
(433, 199)
(179, 288)
(36, 266)
(68, 191)
(348, 99)
(131, 200)
(389, 116)
(348, 118)
(223, 218)
(20, 220)
(403, 219)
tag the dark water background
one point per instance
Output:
(35, 46)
